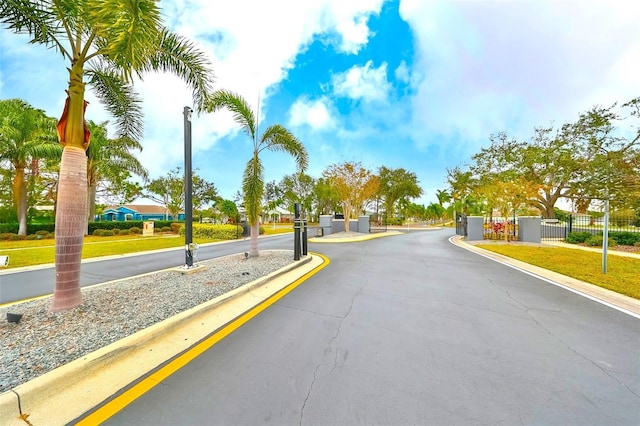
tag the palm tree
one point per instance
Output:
(274, 138)
(105, 42)
(26, 136)
(105, 155)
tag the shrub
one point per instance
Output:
(135, 230)
(32, 237)
(42, 232)
(124, 232)
(596, 241)
(175, 227)
(166, 229)
(214, 232)
(578, 237)
(108, 233)
(625, 238)
(116, 231)
(6, 236)
(16, 237)
(98, 232)
(261, 230)
(394, 221)
(49, 236)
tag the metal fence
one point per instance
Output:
(378, 223)
(554, 229)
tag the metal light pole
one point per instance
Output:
(188, 202)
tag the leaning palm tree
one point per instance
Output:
(106, 42)
(274, 138)
(27, 135)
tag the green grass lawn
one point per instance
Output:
(38, 252)
(623, 273)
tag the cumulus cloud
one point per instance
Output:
(363, 83)
(314, 114)
(491, 66)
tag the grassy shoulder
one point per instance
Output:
(622, 272)
(38, 252)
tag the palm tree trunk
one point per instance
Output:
(70, 228)
(91, 202)
(253, 243)
(20, 199)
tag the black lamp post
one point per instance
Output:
(188, 202)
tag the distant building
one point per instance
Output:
(136, 212)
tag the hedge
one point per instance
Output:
(215, 232)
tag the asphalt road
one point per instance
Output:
(411, 329)
(40, 281)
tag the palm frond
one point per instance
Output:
(34, 18)
(278, 138)
(120, 99)
(242, 113)
(125, 31)
(180, 56)
(253, 188)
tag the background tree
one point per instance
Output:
(325, 198)
(462, 185)
(354, 186)
(229, 209)
(274, 138)
(204, 194)
(298, 188)
(105, 42)
(168, 190)
(272, 196)
(26, 136)
(397, 184)
(507, 194)
(108, 158)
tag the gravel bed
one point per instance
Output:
(43, 341)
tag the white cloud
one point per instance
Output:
(251, 43)
(366, 83)
(314, 114)
(402, 73)
(491, 66)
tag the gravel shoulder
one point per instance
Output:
(43, 340)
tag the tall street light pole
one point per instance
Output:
(188, 202)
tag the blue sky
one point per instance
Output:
(417, 84)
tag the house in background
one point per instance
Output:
(136, 212)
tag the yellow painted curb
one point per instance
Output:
(70, 391)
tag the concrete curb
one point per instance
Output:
(364, 237)
(71, 390)
(618, 301)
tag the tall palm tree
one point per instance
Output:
(27, 135)
(106, 42)
(274, 138)
(104, 155)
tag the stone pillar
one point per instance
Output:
(475, 228)
(325, 224)
(363, 224)
(529, 229)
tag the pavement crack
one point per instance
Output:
(334, 362)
